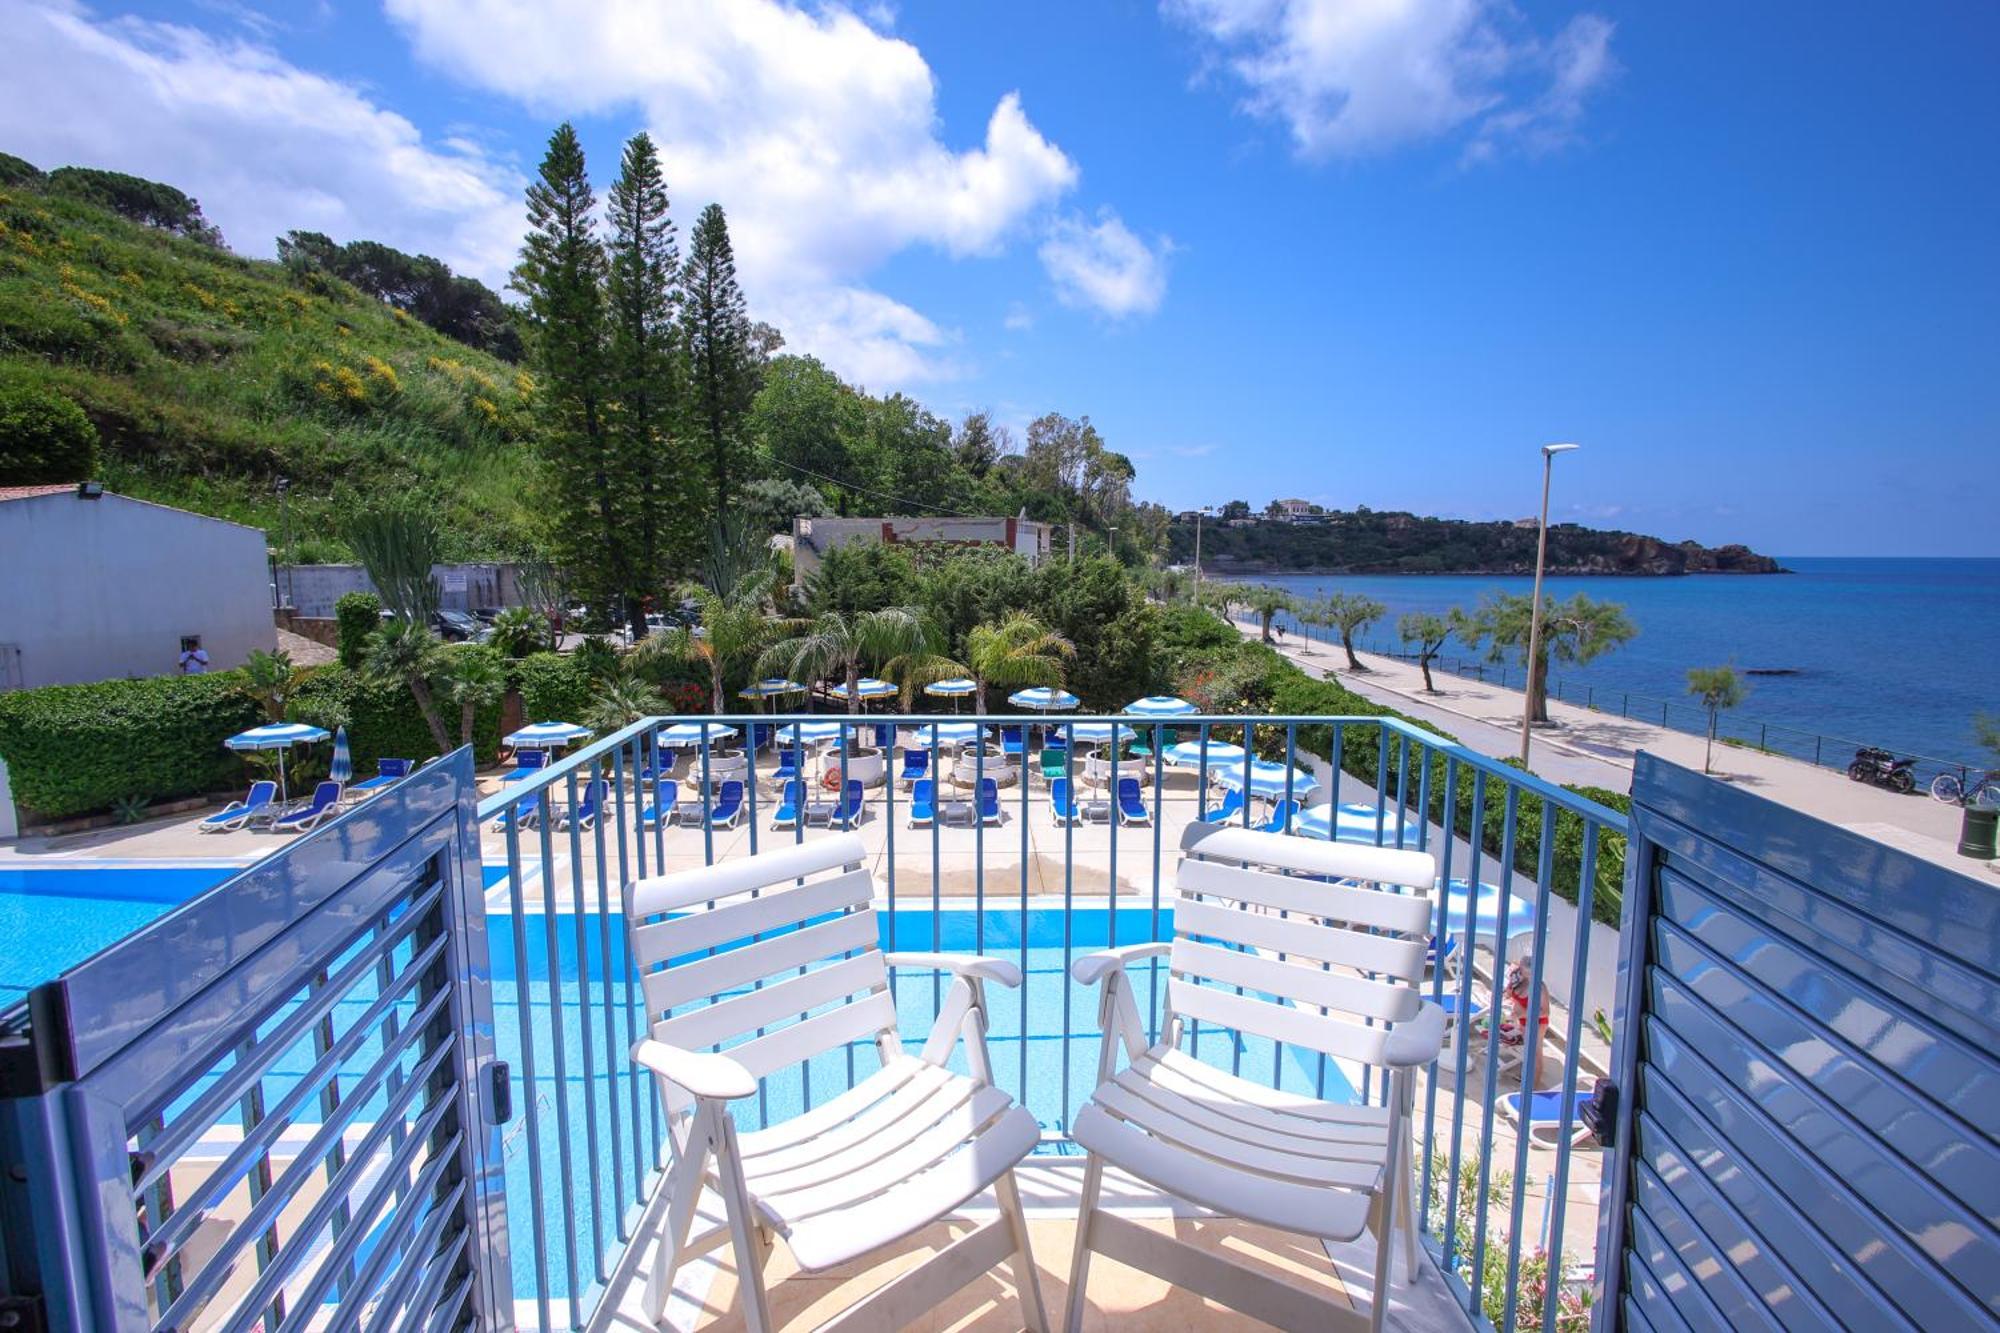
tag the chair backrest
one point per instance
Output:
(1128, 787)
(720, 948)
(262, 792)
(393, 768)
(730, 793)
(1258, 916)
(856, 794)
(530, 758)
(923, 791)
(1059, 793)
(916, 761)
(794, 794)
(325, 794)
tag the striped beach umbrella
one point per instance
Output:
(341, 770)
(1189, 753)
(956, 688)
(1266, 778)
(812, 733)
(279, 736)
(870, 688)
(1098, 733)
(545, 736)
(1354, 822)
(1484, 911)
(1043, 699)
(770, 688)
(946, 733)
(691, 733)
(1160, 705)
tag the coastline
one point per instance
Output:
(1588, 748)
(1569, 572)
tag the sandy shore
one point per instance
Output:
(1589, 747)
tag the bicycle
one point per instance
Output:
(1948, 787)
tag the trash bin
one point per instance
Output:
(1977, 833)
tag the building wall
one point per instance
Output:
(104, 589)
(311, 590)
(812, 538)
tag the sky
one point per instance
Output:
(1355, 251)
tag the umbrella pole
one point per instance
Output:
(283, 795)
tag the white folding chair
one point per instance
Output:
(1265, 945)
(757, 964)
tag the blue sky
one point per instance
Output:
(1366, 253)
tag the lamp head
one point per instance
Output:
(1551, 450)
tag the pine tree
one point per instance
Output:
(646, 376)
(721, 360)
(561, 274)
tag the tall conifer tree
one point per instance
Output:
(645, 372)
(722, 363)
(561, 274)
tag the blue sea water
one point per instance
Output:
(1895, 652)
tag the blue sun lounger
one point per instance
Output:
(1545, 1116)
(728, 807)
(1232, 806)
(666, 801)
(989, 801)
(916, 765)
(1062, 802)
(260, 800)
(301, 818)
(388, 773)
(923, 804)
(848, 813)
(1131, 809)
(1284, 817)
(584, 813)
(790, 801)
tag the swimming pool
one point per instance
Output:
(56, 914)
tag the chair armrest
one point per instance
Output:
(1415, 1041)
(961, 965)
(1094, 967)
(702, 1073)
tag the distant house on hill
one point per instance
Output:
(812, 538)
(101, 587)
(1295, 511)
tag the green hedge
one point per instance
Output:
(75, 749)
(554, 687)
(383, 720)
(356, 616)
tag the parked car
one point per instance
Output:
(456, 626)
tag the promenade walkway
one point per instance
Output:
(1587, 747)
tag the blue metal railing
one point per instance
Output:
(584, 1155)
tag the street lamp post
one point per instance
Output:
(1549, 452)
(284, 488)
(1197, 545)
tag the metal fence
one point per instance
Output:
(1530, 861)
(271, 1108)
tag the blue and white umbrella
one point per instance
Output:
(1266, 778)
(279, 736)
(946, 733)
(1190, 752)
(691, 733)
(870, 688)
(1098, 733)
(1485, 911)
(812, 733)
(1160, 705)
(770, 688)
(545, 736)
(955, 688)
(1353, 822)
(341, 770)
(1043, 698)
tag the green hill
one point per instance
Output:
(209, 376)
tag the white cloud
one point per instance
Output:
(1105, 266)
(1019, 318)
(263, 145)
(817, 132)
(1349, 77)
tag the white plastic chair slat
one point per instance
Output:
(1384, 955)
(874, 1173)
(1404, 913)
(1308, 1209)
(915, 1105)
(829, 1031)
(1312, 856)
(799, 1132)
(1197, 1137)
(1265, 1018)
(741, 1014)
(834, 1238)
(702, 978)
(724, 879)
(1301, 983)
(677, 937)
(1291, 1134)
(1333, 1122)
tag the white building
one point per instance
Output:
(1296, 511)
(812, 538)
(101, 587)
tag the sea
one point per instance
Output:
(1899, 653)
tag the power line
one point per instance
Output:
(865, 490)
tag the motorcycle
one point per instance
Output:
(1882, 769)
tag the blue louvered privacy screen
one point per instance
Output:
(1806, 1039)
(272, 1108)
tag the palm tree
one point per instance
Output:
(1017, 652)
(894, 639)
(621, 700)
(407, 651)
(472, 679)
(270, 679)
(734, 628)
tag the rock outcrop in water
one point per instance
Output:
(1366, 541)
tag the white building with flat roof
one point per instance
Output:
(812, 538)
(98, 586)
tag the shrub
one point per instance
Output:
(19, 171)
(383, 718)
(44, 437)
(75, 749)
(143, 201)
(356, 616)
(554, 687)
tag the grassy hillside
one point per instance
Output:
(209, 376)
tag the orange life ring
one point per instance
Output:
(830, 779)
